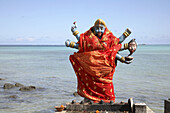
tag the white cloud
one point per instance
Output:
(19, 39)
(29, 39)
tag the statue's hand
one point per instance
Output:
(74, 27)
(132, 46)
(128, 59)
(67, 42)
(75, 31)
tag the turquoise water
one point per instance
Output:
(48, 68)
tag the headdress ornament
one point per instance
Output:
(99, 21)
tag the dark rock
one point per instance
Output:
(13, 96)
(19, 85)
(27, 88)
(8, 86)
(75, 94)
(32, 87)
(2, 79)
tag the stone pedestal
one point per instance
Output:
(142, 108)
(118, 108)
(122, 107)
(110, 108)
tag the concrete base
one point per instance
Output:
(122, 107)
(107, 108)
(118, 108)
(142, 108)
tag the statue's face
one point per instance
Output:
(99, 29)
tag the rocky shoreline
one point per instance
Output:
(22, 87)
(17, 86)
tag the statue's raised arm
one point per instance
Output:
(124, 35)
(75, 31)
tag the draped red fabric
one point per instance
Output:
(94, 65)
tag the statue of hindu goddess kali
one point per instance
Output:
(95, 62)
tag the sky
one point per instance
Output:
(48, 22)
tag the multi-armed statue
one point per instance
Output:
(95, 62)
(131, 46)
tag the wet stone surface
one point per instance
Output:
(18, 85)
(27, 88)
(8, 86)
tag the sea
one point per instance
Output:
(47, 67)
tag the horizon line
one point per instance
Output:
(57, 44)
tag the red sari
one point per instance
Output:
(94, 65)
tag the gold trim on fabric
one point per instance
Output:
(101, 44)
(91, 93)
(107, 98)
(110, 90)
(105, 80)
(112, 57)
(107, 63)
(115, 42)
(88, 45)
(87, 84)
(95, 87)
(91, 34)
(107, 32)
(104, 38)
(88, 96)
